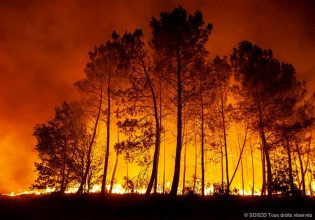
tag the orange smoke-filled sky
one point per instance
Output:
(44, 46)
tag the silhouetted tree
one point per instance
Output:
(91, 89)
(143, 91)
(265, 85)
(62, 145)
(294, 129)
(118, 152)
(221, 72)
(103, 70)
(178, 40)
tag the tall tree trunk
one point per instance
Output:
(160, 131)
(263, 166)
(196, 159)
(63, 171)
(302, 169)
(239, 158)
(88, 157)
(265, 149)
(268, 164)
(164, 169)
(154, 174)
(179, 131)
(114, 171)
(296, 169)
(67, 178)
(242, 169)
(225, 143)
(307, 163)
(153, 177)
(242, 172)
(222, 166)
(311, 181)
(82, 169)
(253, 168)
(103, 190)
(116, 161)
(184, 170)
(89, 179)
(308, 154)
(269, 174)
(291, 182)
(202, 144)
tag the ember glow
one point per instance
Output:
(42, 57)
(119, 189)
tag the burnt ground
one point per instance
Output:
(133, 206)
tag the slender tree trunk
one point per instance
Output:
(87, 189)
(184, 171)
(225, 143)
(160, 131)
(114, 171)
(116, 161)
(268, 163)
(154, 173)
(67, 174)
(242, 172)
(308, 154)
(291, 182)
(307, 163)
(179, 131)
(155, 161)
(63, 172)
(263, 165)
(239, 158)
(253, 168)
(296, 169)
(265, 149)
(302, 169)
(311, 181)
(103, 190)
(196, 159)
(222, 166)
(202, 144)
(242, 169)
(82, 169)
(269, 174)
(88, 157)
(164, 169)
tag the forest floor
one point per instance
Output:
(131, 206)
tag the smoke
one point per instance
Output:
(44, 45)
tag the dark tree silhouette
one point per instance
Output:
(92, 90)
(293, 129)
(221, 74)
(118, 152)
(62, 144)
(178, 39)
(201, 101)
(143, 90)
(266, 84)
(101, 75)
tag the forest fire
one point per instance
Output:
(179, 103)
(145, 124)
(117, 189)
